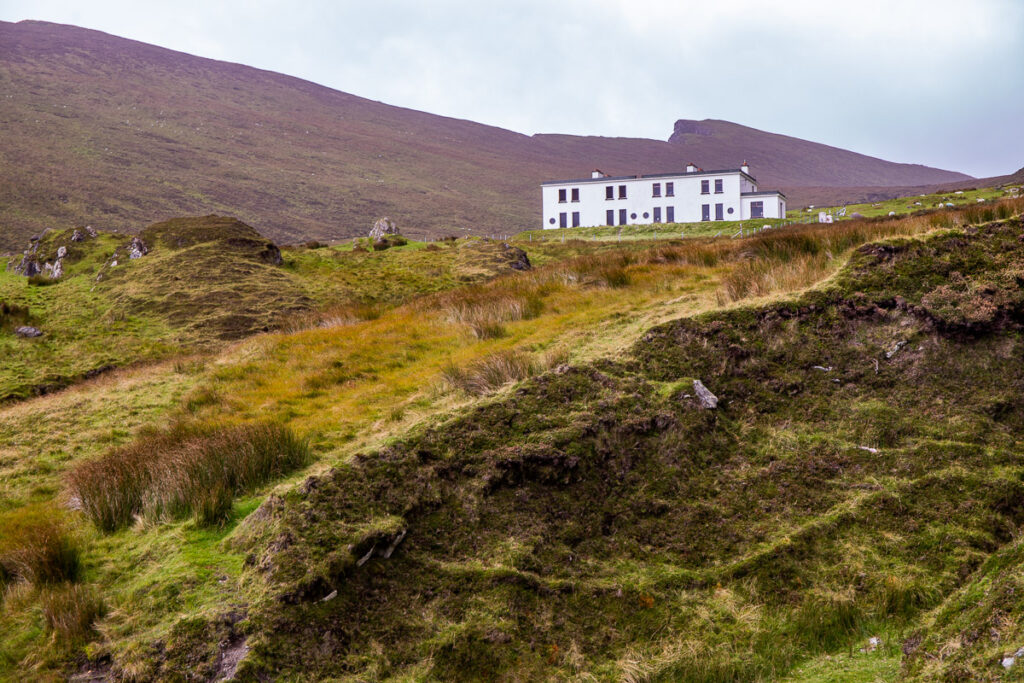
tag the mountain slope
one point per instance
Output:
(117, 133)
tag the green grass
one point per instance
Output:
(590, 521)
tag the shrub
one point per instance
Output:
(37, 545)
(184, 470)
(70, 611)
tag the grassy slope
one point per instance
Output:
(211, 288)
(596, 522)
(341, 388)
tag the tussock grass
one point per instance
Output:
(332, 316)
(71, 611)
(488, 374)
(38, 545)
(484, 309)
(184, 470)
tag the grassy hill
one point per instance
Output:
(117, 134)
(205, 282)
(512, 477)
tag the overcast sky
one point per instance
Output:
(938, 82)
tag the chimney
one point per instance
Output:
(691, 167)
(597, 173)
(745, 167)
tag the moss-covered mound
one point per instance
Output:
(214, 278)
(229, 234)
(863, 466)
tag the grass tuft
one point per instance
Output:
(38, 546)
(492, 372)
(184, 470)
(71, 611)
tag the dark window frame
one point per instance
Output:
(563, 195)
(705, 213)
(609, 216)
(622, 191)
(670, 214)
(574, 196)
(623, 219)
(563, 220)
(656, 190)
(657, 214)
(719, 212)
(757, 209)
(670, 189)
(719, 186)
(705, 187)
(575, 219)
(609, 192)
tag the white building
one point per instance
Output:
(696, 195)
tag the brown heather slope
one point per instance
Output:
(117, 133)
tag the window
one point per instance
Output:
(670, 189)
(705, 187)
(646, 215)
(622, 216)
(719, 212)
(551, 221)
(622, 191)
(561, 196)
(670, 214)
(656, 190)
(718, 186)
(730, 210)
(576, 219)
(609, 192)
(657, 214)
(575, 194)
(609, 215)
(757, 209)
(562, 220)
(705, 212)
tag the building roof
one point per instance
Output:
(766, 192)
(680, 174)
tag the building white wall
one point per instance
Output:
(774, 205)
(639, 204)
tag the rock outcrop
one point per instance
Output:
(382, 227)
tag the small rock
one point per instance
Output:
(330, 596)
(822, 368)
(1008, 662)
(62, 252)
(137, 249)
(77, 236)
(28, 331)
(892, 213)
(869, 449)
(895, 349)
(708, 401)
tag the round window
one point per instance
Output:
(646, 215)
(730, 209)
(551, 221)
(632, 215)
